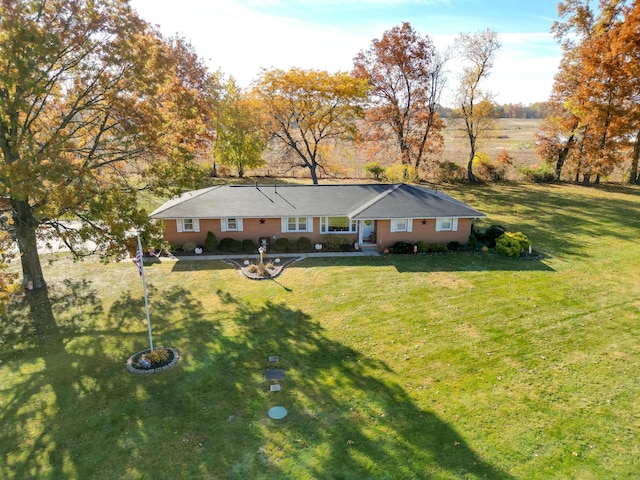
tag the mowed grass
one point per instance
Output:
(419, 367)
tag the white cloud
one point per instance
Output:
(239, 40)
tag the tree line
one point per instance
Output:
(389, 104)
(96, 106)
(535, 110)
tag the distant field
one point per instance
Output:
(512, 134)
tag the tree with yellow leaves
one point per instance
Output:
(305, 110)
(91, 97)
(475, 105)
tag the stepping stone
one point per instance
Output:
(277, 413)
(275, 388)
(274, 358)
(274, 374)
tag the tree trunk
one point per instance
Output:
(586, 179)
(562, 157)
(25, 232)
(314, 175)
(634, 178)
(470, 175)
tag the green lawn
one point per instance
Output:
(418, 367)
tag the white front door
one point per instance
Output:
(367, 228)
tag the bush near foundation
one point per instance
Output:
(511, 244)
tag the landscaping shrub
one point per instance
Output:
(157, 355)
(346, 247)
(437, 248)
(423, 247)
(401, 248)
(189, 246)
(492, 233)
(262, 270)
(248, 246)
(230, 245)
(510, 244)
(303, 244)
(544, 173)
(332, 242)
(453, 246)
(210, 243)
(282, 245)
(472, 242)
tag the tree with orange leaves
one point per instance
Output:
(596, 96)
(406, 76)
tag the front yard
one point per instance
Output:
(431, 366)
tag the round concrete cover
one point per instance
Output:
(277, 413)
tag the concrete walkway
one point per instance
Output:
(372, 252)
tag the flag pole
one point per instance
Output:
(144, 287)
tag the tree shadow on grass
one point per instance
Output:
(69, 407)
(75, 412)
(445, 262)
(345, 420)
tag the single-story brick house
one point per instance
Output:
(369, 214)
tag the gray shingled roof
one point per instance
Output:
(361, 202)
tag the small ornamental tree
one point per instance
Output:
(375, 169)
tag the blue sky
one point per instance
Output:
(241, 36)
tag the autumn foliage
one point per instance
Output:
(406, 76)
(94, 105)
(595, 105)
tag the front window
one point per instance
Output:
(446, 223)
(337, 225)
(296, 224)
(187, 225)
(232, 224)
(400, 224)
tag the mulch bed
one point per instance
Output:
(271, 273)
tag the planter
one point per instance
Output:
(137, 364)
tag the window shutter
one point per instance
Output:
(196, 225)
(438, 224)
(284, 224)
(223, 224)
(179, 225)
(410, 225)
(239, 224)
(309, 224)
(454, 225)
(393, 225)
